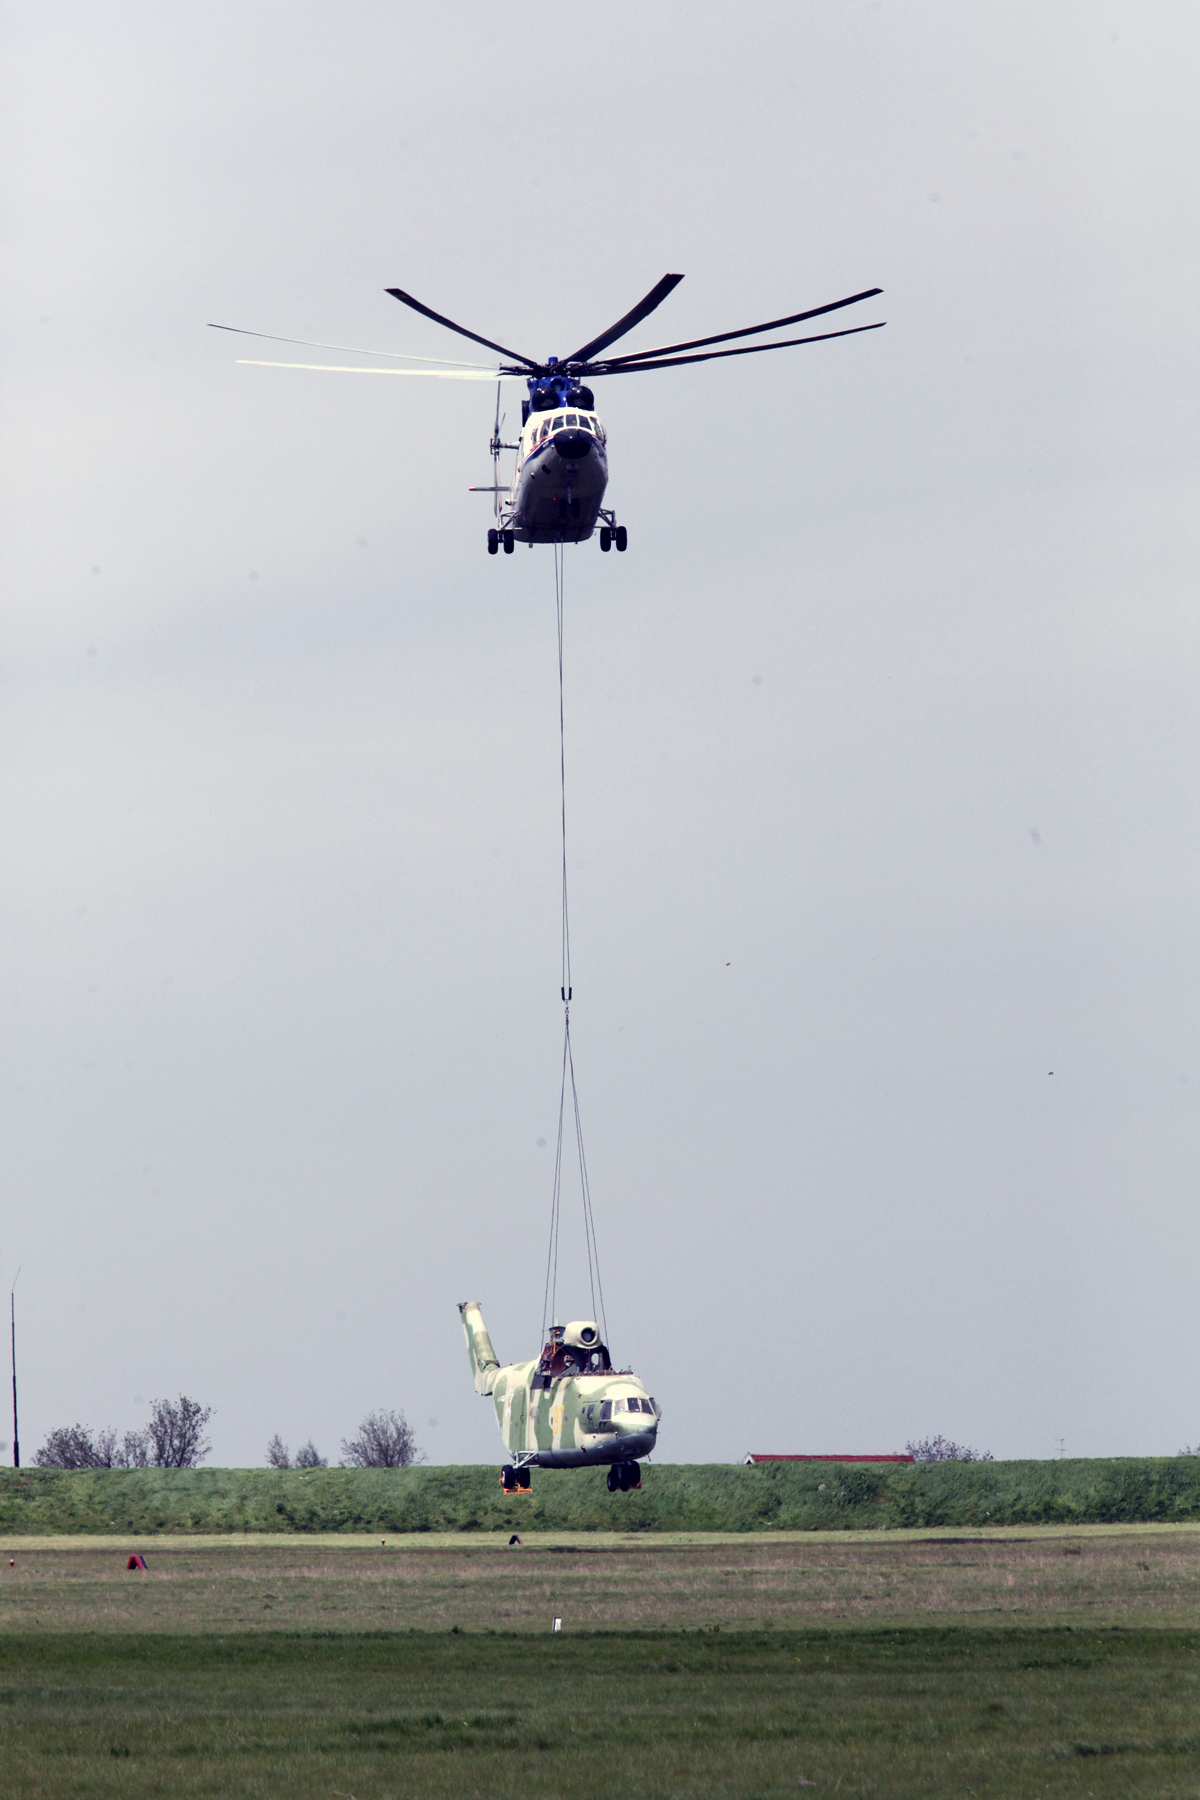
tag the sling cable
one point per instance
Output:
(549, 1298)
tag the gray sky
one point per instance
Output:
(882, 738)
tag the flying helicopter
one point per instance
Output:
(561, 473)
(567, 1409)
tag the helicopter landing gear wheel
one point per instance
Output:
(493, 542)
(524, 1479)
(509, 541)
(635, 1478)
(614, 1479)
(509, 1479)
(621, 536)
(605, 538)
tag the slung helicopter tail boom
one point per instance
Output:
(484, 1364)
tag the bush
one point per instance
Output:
(74, 1447)
(941, 1449)
(307, 1456)
(385, 1441)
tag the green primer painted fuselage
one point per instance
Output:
(568, 1408)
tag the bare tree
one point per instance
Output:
(941, 1449)
(1190, 1450)
(74, 1447)
(277, 1453)
(134, 1452)
(385, 1441)
(309, 1457)
(175, 1432)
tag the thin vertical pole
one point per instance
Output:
(12, 1301)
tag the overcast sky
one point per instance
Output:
(881, 738)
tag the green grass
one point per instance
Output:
(1135, 1576)
(903, 1713)
(674, 1497)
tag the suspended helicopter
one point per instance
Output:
(561, 474)
(568, 1409)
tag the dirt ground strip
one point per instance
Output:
(1137, 1575)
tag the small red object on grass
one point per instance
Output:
(136, 1562)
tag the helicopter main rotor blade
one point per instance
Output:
(250, 362)
(673, 362)
(438, 319)
(655, 297)
(723, 337)
(348, 349)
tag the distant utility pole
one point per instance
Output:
(12, 1307)
(1062, 1446)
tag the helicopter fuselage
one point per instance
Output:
(560, 478)
(567, 1409)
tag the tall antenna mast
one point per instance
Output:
(12, 1308)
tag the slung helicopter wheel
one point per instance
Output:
(613, 1478)
(509, 541)
(622, 537)
(605, 538)
(493, 542)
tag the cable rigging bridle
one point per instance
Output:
(549, 1299)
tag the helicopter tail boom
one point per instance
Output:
(484, 1364)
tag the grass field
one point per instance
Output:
(1147, 1576)
(674, 1497)
(903, 1713)
(1006, 1663)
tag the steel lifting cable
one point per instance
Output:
(550, 1296)
(562, 775)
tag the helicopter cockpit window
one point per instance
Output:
(557, 422)
(570, 419)
(545, 429)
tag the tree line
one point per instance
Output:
(174, 1439)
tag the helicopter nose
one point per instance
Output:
(572, 444)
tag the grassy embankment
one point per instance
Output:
(674, 1497)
